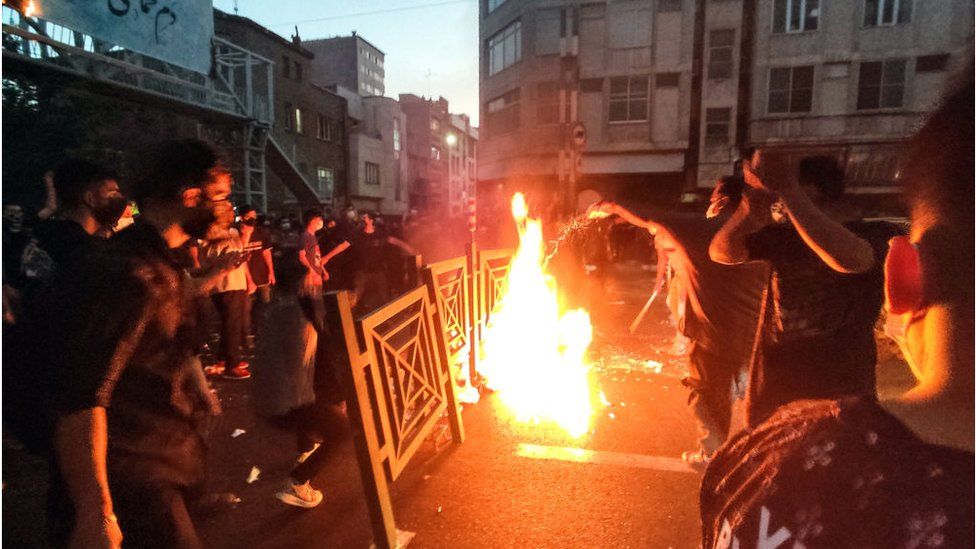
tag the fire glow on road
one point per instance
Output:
(580, 455)
(534, 351)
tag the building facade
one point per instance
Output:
(647, 99)
(461, 145)
(378, 160)
(348, 61)
(306, 149)
(428, 124)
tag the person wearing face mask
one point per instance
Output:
(260, 266)
(128, 451)
(854, 472)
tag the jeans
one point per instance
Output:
(710, 383)
(230, 305)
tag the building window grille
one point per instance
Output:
(790, 90)
(881, 84)
(503, 113)
(325, 181)
(795, 15)
(547, 103)
(505, 48)
(628, 99)
(717, 127)
(883, 13)
(372, 173)
(720, 44)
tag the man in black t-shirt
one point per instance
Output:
(855, 472)
(825, 291)
(722, 309)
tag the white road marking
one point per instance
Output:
(580, 455)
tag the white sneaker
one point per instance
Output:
(304, 455)
(300, 495)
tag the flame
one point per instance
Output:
(31, 9)
(534, 352)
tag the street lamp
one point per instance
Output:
(450, 139)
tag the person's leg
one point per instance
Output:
(154, 515)
(331, 423)
(261, 299)
(709, 397)
(222, 304)
(246, 325)
(233, 328)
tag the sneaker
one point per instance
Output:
(300, 495)
(304, 455)
(696, 458)
(238, 372)
(214, 369)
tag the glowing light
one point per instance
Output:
(450, 139)
(534, 350)
(31, 9)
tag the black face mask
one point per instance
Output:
(250, 222)
(198, 221)
(108, 213)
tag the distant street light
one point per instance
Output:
(450, 139)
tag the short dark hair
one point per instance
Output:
(311, 214)
(75, 176)
(175, 165)
(824, 173)
(730, 186)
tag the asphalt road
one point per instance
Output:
(507, 485)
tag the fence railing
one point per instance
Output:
(402, 360)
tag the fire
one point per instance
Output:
(30, 10)
(534, 350)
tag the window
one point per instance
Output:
(717, 127)
(503, 113)
(333, 131)
(790, 90)
(720, 43)
(435, 153)
(298, 72)
(396, 138)
(547, 103)
(881, 84)
(879, 13)
(285, 66)
(434, 124)
(795, 15)
(298, 121)
(493, 5)
(289, 119)
(372, 173)
(667, 79)
(320, 128)
(931, 63)
(505, 48)
(324, 181)
(668, 5)
(628, 99)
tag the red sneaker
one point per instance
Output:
(215, 369)
(237, 372)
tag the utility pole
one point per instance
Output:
(568, 162)
(694, 116)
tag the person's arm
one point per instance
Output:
(266, 255)
(834, 244)
(341, 247)
(728, 246)
(50, 197)
(407, 248)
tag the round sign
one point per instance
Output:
(578, 135)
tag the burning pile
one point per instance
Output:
(534, 351)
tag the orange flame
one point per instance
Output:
(31, 9)
(534, 350)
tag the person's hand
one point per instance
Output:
(325, 275)
(251, 287)
(768, 173)
(271, 279)
(95, 531)
(601, 209)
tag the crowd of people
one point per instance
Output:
(106, 330)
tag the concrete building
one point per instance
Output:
(667, 91)
(348, 61)
(461, 145)
(377, 158)
(428, 123)
(306, 149)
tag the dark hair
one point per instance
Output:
(938, 186)
(74, 177)
(245, 209)
(311, 214)
(730, 186)
(824, 173)
(175, 165)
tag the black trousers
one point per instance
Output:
(710, 383)
(230, 305)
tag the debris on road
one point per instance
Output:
(255, 473)
(237, 433)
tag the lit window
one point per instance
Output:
(720, 44)
(790, 90)
(435, 153)
(298, 121)
(396, 138)
(628, 99)
(879, 13)
(795, 15)
(505, 48)
(325, 181)
(881, 84)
